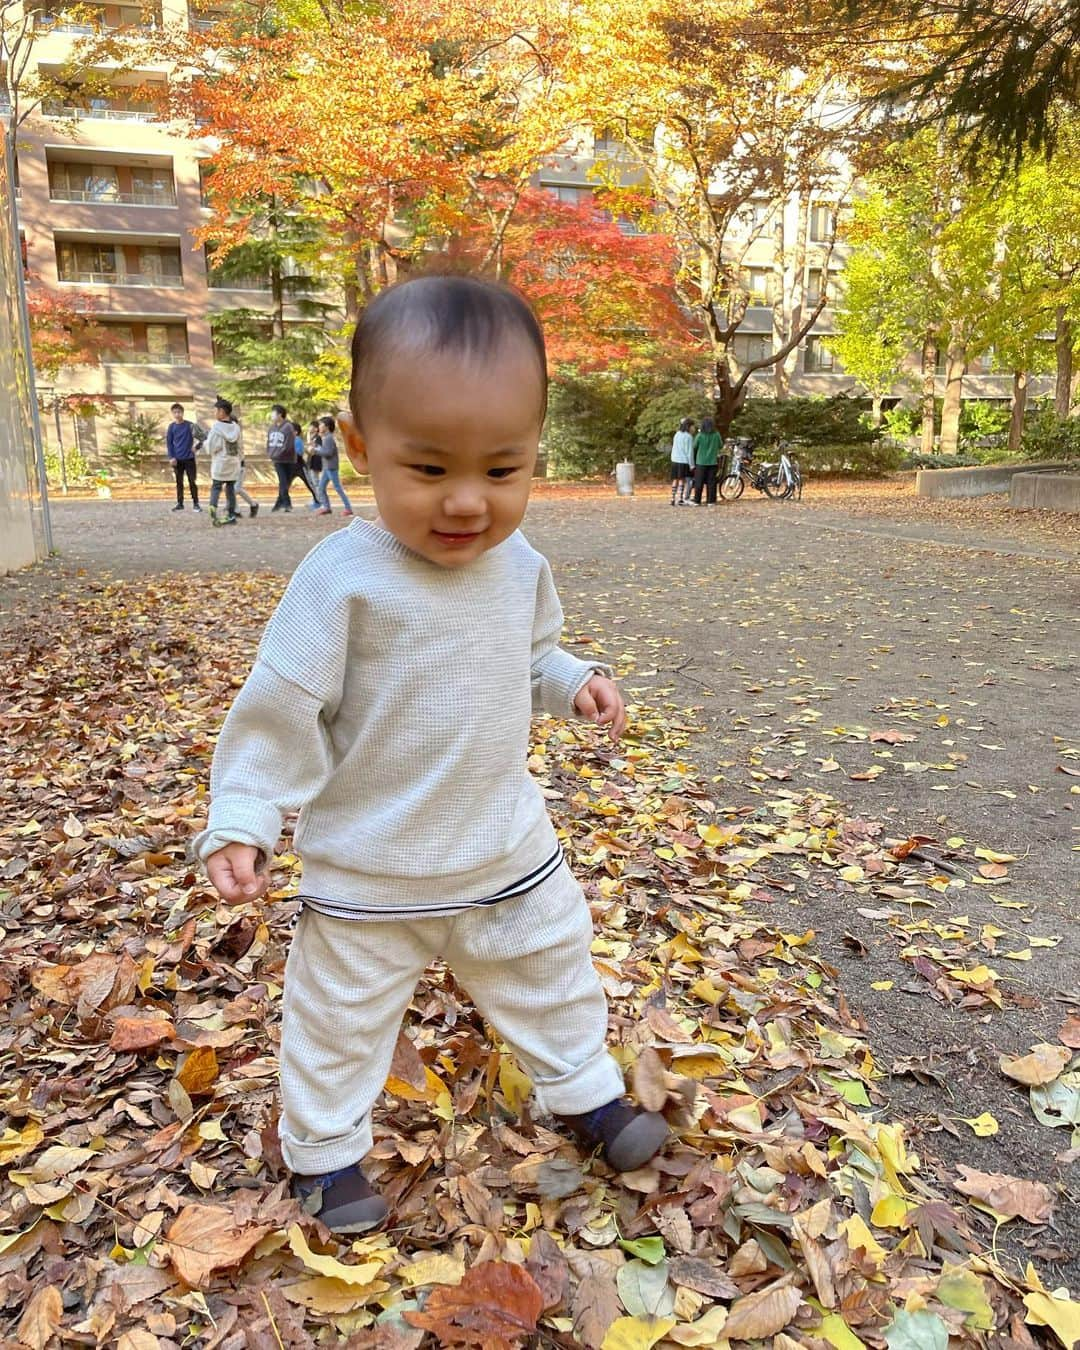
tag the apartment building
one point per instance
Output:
(807, 229)
(108, 202)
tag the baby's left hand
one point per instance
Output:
(601, 702)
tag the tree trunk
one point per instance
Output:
(1063, 348)
(875, 410)
(727, 400)
(781, 387)
(953, 402)
(1019, 406)
(929, 372)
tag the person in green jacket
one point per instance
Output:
(706, 460)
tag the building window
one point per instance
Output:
(753, 215)
(748, 347)
(147, 344)
(570, 194)
(818, 359)
(206, 174)
(757, 282)
(607, 142)
(822, 224)
(816, 278)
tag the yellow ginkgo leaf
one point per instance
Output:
(636, 1333)
(984, 1125)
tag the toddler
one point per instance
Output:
(390, 702)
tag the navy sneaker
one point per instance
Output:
(344, 1200)
(628, 1135)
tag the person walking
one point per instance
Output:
(281, 447)
(252, 504)
(223, 443)
(706, 461)
(303, 469)
(182, 438)
(314, 461)
(330, 469)
(682, 461)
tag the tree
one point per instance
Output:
(1007, 71)
(63, 330)
(720, 118)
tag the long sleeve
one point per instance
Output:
(274, 754)
(557, 676)
(169, 439)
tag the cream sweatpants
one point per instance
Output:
(526, 965)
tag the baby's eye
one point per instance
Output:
(504, 472)
(430, 470)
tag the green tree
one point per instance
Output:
(287, 352)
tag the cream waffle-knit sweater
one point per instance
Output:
(390, 703)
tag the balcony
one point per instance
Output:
(135, 358)
(260, 285)
(108, 197)
(131, 19)
(111, 112)
(79, 277)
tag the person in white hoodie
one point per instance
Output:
(682, 463)
(223, 443)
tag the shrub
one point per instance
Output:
(1047, 436)
(593, 419)
(75, 465)
(959, 461)
(136, 438)
(984, 424)
(830, 435)
(900, 423)
(660, 417)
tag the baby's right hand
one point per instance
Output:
(235, 873)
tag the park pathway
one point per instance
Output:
(785, 636)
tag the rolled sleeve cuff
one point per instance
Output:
(239, 820)
(561, 677)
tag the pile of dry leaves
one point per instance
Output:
(144, 1202)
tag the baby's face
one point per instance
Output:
(450, 446)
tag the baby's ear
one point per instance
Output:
(355, 446)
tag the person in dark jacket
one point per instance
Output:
(181, 441)
(706, 461)
(303, 468)
(281, 447)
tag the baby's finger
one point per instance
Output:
(249, 882)
(619, 724)
(220, 873)
(586, 704)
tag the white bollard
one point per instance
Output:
(624, 478)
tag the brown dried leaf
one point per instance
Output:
(42, 1317)
(762, 1314)
(595, 1306)
(1070, 1033)
(198, 1074)
(1043, 1065)
(205, 1238)
(496, 1305)
(407, 1066)
(704, 1277)
(140, 1033)
(650, 1080)
(1007, 1195)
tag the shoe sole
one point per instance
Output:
(639, 1141)
(358, 1218)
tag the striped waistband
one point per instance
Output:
(339, 909)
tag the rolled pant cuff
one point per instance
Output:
(312, 1158)
(597, 1082)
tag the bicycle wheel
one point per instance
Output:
(774, 488)
(731, 487)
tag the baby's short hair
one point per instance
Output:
(463, 314)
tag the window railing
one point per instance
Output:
(60, 23)
(239, 283)
(107, 195)
(82, 277)
(134, 358)
(114, 113)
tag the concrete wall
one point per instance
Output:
(1046, 491)
(979, 481)
(23, 513)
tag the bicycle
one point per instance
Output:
(779, 482)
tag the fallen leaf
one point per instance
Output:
(636, 1333)
(322, 1264)
(1011, 1196)
(495, 1304)
(920, 1330)
(1060, 1313)
(205, 1238)
(1070, 1033)
(42, 1317)
(1043, 1065)
(761, 1314)
(650, 1080)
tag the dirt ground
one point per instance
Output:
(787, 635)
